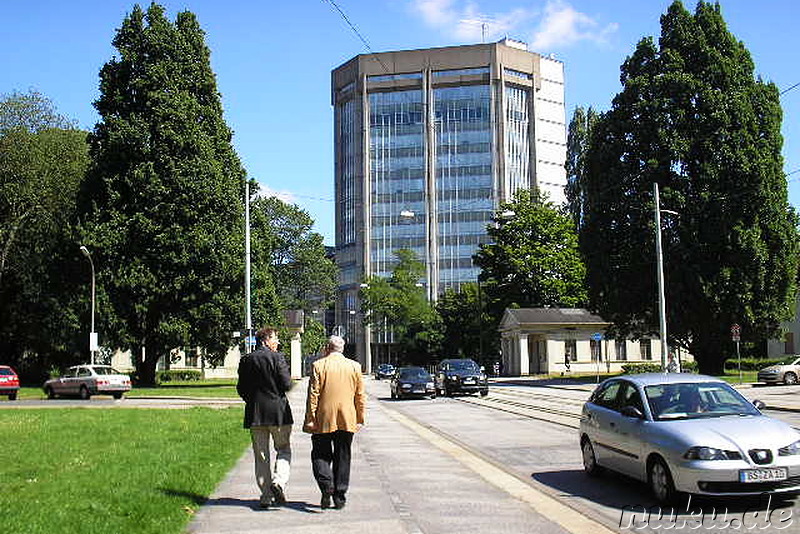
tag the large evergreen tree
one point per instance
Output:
(578, 135)
(163, 201)
(692, 118)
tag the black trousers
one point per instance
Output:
(330, 461)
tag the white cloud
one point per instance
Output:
(285, 196)
(559, 24)
(562, 26)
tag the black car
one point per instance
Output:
(412, 382)
(461, 376)
(384, 370)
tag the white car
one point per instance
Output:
(685, 433)
(787, 373)
(86, 380)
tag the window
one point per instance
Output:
(645, 349)
(517, 73)
(788, 343)
(630, 397)
(190, 357)
(570, 350)
(462, 72)
(621, 351)
(607, 397)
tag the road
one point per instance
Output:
(531, 432)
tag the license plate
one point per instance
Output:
(469, 381)
(419, 390)
(763, 475)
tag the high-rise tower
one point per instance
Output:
(427, 144)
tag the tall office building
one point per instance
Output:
(427, 144)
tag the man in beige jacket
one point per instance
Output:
(334, 412)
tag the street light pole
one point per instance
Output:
(662, 312)
(92, 333)
(247, 311)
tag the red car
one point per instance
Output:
(9, 382)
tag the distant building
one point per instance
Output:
(427, 144)
(567, 340)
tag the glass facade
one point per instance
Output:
(517, 138)
(346, 121)
(464, 178)
(397, 176)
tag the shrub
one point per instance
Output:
(638, 368)
(755, 364)
(186, 375)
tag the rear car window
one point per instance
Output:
(6, 372)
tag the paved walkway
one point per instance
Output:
(401, 483)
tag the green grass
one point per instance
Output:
(124, 470)
(732, 377)
(221, 388)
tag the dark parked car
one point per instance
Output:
(87, 380)
(412, 382)
(9, 382)
(384, 370)
(461, 376)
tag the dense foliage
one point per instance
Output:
(692, 118)
(163, 201)
(43, 278)
(399, 307)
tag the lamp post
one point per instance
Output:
(92, 333)
(662, 315)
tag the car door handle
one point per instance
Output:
(612, 425)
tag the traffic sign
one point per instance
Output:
(597, 336)
(736, 330)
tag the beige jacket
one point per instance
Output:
(336, 397)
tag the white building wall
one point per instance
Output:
(551, 131)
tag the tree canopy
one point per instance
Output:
(692, 118)
(398, 306)
(42, 162)
(533, 258)
(163, 201)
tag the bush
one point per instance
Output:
(689, 367)
(755, 364)
(185, 375)
(638, 368)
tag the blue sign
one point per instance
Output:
(597, 336)
(250, 340)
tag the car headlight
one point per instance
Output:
(429, 385)
(405, 386)
(453, 378)
(710, 453)
(790, 450)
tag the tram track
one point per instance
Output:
(555, 415)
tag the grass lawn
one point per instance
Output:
(222, 388)
(123, 470)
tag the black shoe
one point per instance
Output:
(325, 503)
(339, 501)
(278, 496)
(265, 501)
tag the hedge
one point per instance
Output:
(186, 375)
(755, 364)
(638, 368)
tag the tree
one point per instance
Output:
(304, 277)
(533, 258)
(162, 204)
(42, 162)
(401, 302)
(692, 118)
(578, 136)
(466, 324)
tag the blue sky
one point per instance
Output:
(273, 61)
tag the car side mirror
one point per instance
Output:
(759, 404)
(632, 411)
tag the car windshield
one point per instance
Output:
(463, 365)
(6, 372)
(409, 374)
(695, 400)
(106, 371)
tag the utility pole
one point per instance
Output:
(247, 315)
(662, 318)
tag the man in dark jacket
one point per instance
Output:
(264, 380)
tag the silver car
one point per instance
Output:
(687, 433)
(86, 380)
(787, 373)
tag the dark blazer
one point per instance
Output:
(264, 380)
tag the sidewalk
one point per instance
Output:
(400, 484)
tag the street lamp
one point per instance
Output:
(92, 334)
(662, 315)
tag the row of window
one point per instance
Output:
(620, 350)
